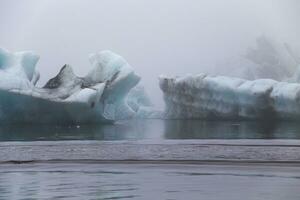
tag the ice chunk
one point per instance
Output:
(105, 65)
(218, 97)
(139, 102)
(65, 99)
(17, 69)
(138, 97)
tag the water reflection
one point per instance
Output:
(155, 129)
(195, 129)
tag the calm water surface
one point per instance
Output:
(155, 129)
(149, 181)
(145, 181)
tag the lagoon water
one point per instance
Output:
(154, 130)
(148, 181)
(81, 179)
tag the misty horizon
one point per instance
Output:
(169, 37)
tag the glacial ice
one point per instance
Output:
(219, 97)
(266, 88)
(140, 102)
(100, 96)
(110, 91)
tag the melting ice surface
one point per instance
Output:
(267, 88)
(100, 96)
(220, 97)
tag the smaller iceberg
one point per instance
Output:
(220, 97)
(100, 96)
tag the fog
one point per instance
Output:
(172, 37)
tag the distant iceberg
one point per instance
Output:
(268, 87)
(101, 96)
(219, 97)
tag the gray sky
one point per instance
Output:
(172, 37)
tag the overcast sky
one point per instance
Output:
(172, 37)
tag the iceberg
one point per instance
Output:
(219, 97)
(100, 96)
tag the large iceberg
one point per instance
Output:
(219, 97)
(266, 88)
(100, 96)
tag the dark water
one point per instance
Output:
(65, 180)
(155, 129)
